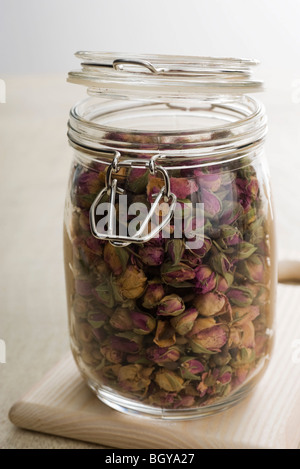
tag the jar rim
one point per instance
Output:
(247, 127)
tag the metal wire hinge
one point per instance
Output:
(111, 189)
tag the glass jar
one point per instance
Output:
(168, 236)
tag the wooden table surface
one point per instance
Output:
(35, 160)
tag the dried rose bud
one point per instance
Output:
(84, 332)
(83, 286)
(225, 375)
(231, 212)
(245, 250)
(248, 339)
(171, 305)
(182, 187)
(131, 284)
(229, 236)
(210, 181)
(151, 255)
(177, 275)
(89, 183)
(185, 321)
(165, 334)
(200, 324)
(245, 356)
(137, 180)
(235, 337)
(112, 355)
(221, 264)
(96, 318)
(134, 378)
(206, 246)
(190, 368)
(212, 304)
(240, 296)
(212, 204)
(210, 340)
(243, 315)
(185, 401)
(153, 294)
(247, 190)
(253, 268)
(81, 306)
(103, 293)
(175, 248)
(124, 344)
(142, 323)
(162, 355)
(121, 319)
(205, 279)
(169, 381)
(222, 284)
(115, 258)
(84, 220)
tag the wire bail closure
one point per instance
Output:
(112, 189)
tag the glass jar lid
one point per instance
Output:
(164, 76)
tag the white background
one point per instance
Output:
(40, 36)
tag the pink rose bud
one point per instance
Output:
(122, 344)
(178, 274)
(142, 323)
(151, 255)
(210, 181)
(161, 355)
(225, 375)
(247, 190)
(190, 368)
(212, 205)
(240, 296)
(185, 321)
(154, 293)
(171, 305)
(182, 187)
(205, 279)
(185, 401)
(229, 236)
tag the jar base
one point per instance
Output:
(131, 407)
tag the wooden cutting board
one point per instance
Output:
(61, 404)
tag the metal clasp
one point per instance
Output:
(111, 189)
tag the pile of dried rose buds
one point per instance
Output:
(161, 323)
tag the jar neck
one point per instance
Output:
(183, 132)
